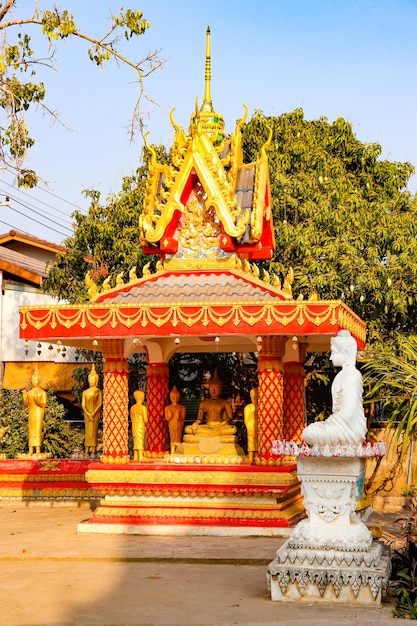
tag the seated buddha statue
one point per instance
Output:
(215, 412)
(347, 423)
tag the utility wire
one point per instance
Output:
(41, 223)
(38, 210)
(58, 197)
(45, 189)
(34, 199)
(13, 227)
(40, 214)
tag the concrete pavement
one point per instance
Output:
(53, 576)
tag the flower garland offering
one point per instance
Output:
(368, 449)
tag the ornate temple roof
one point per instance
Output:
(207, 215)
(233, 305)
(207, 207)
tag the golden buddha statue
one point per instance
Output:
(250, 417)
(216, 411)
(91, 402)
(35, 400)
(212, 436)
(139, 418)
(175, 416)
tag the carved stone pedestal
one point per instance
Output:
(330, 557)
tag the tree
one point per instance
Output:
(347, 226)
(391, 378)
(344, 219)
(19, 89)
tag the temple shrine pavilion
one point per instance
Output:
(208, 216)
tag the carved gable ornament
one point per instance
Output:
(207, 204)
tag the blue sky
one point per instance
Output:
(351, 58)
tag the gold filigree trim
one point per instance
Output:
(192, 313)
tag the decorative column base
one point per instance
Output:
(330, 557)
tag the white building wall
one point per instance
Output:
(12, 348)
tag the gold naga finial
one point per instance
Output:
(106, 284)
(119, 279)
(267, 143)
(288, 281)
(266, 277)
(254, 270)
(92, 288)
(275, 281)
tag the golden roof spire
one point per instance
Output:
(211, 123)
(207, 103)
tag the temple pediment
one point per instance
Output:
(207, 203)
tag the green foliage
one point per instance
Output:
(390, 375)
(58, 438)
(404, 567)
(344, 220)
(18, 59)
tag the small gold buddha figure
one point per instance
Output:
(139, 418)
(216, 411)
(35, 400)
(91, 402)
(175, 416)
(250, 417)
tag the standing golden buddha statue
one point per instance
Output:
(35, 400)
(92, 400)
(139, 418)
(175, 416)
(250, 417)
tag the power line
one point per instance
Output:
(41, 223)
(44, 189)
(11, 226)
(58, 197)
(33, 199)
(40, 212)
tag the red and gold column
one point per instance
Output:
(115, 411)
(294, 401)
(270, 398)
(157, 431)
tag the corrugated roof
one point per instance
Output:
(22, 261)
(199, 288)
(16, 235)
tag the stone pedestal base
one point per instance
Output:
(330, 557)
(306, 576)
